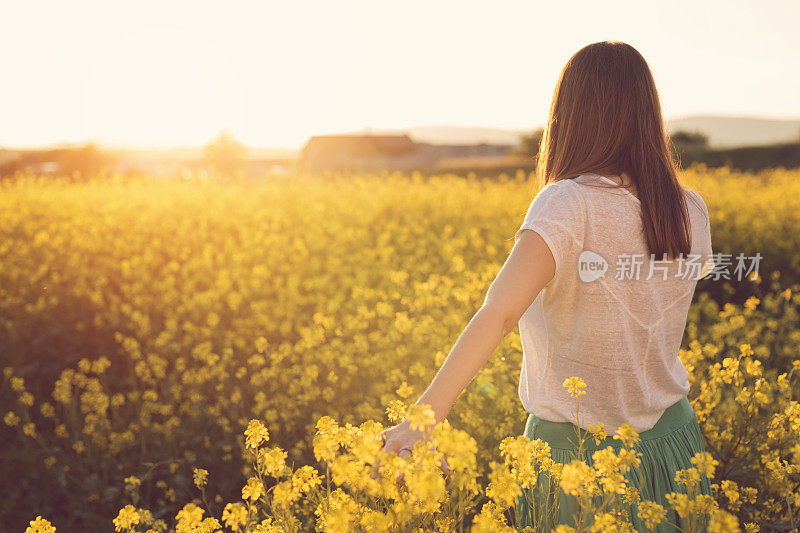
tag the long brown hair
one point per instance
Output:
(605, 118)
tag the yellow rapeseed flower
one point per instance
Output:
(17, 384)
(272, 461)
(689, 477)
(599, 432)
(40, 525)
(502, 488)
(576, 478)
(627, 434)
(253, 490)
(491, 520)
(200, 476)
(420, 417)
(256, 434)
(723, 522)
(234, 515)
(284, 494)
(127, 518)
(26, 398)
(404, 390)
(190, 515)
(306, 478)
(705, 463)
(573, 386)
(651, 513)
(395, 411)
(681, 503)
(267, 526)
(11, 418)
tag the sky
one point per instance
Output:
(175, 73)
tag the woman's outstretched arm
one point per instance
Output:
(528, 268)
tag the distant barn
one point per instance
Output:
(341, 151)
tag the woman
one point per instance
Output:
(600, 279)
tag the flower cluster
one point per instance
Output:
(147, 323)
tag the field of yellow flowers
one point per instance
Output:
(203, 356)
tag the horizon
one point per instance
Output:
(375, 131)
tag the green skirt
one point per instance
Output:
(665, 448)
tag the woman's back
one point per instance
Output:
(610, 315)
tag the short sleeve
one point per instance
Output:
(557, 214)
(705, 249)
(708, 251)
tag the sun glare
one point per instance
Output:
(166, 87)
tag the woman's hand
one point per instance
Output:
(401, 439)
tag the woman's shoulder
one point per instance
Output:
(696, 199)
(563, 193)
(563, 188)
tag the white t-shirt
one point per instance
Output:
(617, 330)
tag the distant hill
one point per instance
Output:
(723, 131)
(734, 131)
